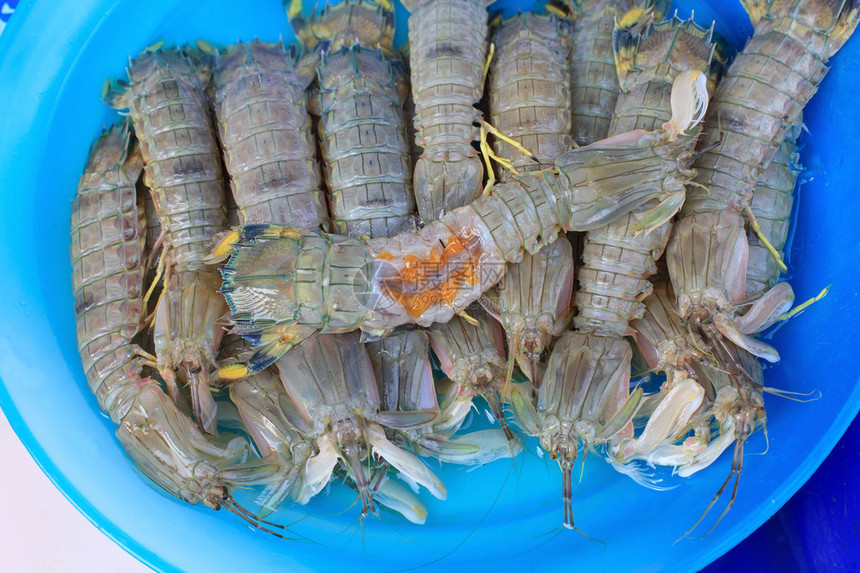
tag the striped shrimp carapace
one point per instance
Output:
(447, 51)
(330, 383)
(528, 89)
(108, 270)
(529, 98)
(169, 109)
(261, 110)
(109, 267)
(363, 138)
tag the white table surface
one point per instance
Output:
(40, 531)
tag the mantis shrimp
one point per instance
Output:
(448, 50)
(471, 355)
(182, 161)
(737, 409)
(585, 394)
(686, 400)
(668, 346)
(109, 266)
(529, 95)
(467, 349)
(362, 129)
(261, 109)
(754, 108)
(807, 33)
(701, 394)
(261, 112)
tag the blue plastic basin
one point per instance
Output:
(54, 58)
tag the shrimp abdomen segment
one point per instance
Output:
(614, 277)
(261, 106)
(529, 89)
(108, 267)
(363, 136)
(448, 45)
(762, 96)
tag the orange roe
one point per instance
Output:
(420, 272)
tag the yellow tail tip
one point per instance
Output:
(153, 47)
(233, 372)
(225, 245)
(206, 47)
(290, 233)
(557, 11)
(294, 8)
(632, 17)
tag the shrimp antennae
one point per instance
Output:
(245, 511)
(567, 492)
(789, 395)
(496, 408)
(737, 468)
(232, 505)
(711, 504)
(509, 366)
(766, 439)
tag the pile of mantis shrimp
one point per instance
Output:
(337, 246)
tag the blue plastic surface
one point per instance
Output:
(54, 57)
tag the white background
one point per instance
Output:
(40, 531)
